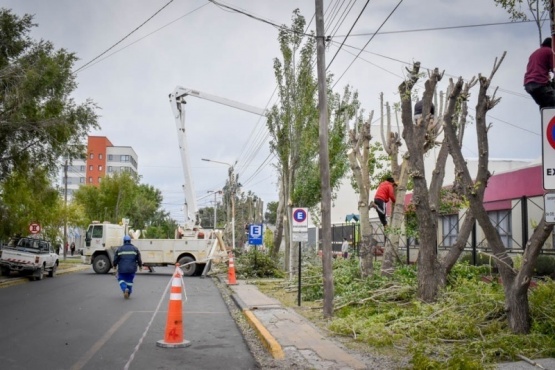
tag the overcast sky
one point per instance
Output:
(196, 44)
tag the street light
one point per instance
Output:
(232, 184)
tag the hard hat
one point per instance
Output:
(126, 239)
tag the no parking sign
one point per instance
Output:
(548, 148)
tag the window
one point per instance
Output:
(97, 231)
(82, 168)
(91, 167)
(82, 180)
(99, 180)
(90, 180)
(124, 158)
(91, 156)
(450, 229)
(100, 156)
(110, 157)
(100, 167)
(501, 220)
(110, 169)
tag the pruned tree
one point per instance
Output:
(431, 129)
(515, 282)
(362, 162)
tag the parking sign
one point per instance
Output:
(255, 234)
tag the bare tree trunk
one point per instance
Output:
(358, 155)
(515, 283)
(415, 137)
(280, 214)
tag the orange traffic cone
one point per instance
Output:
(231, 271)
(174, 323)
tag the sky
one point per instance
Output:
(199, 45)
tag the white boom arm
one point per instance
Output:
(177, 101)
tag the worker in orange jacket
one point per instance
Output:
(384, 194)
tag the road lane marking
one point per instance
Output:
(100, 343)
(126, 367)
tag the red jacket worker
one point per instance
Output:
(384, 194)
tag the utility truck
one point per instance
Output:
(194, 248)
(194, 251)
(30, 256)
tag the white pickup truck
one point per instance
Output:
(30, 256)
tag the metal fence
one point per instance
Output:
(409, 246)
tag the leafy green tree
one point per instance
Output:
(161, 226)
(294, 127)
(271, 213)
(120, 196)
(28, 196)
(39, 122)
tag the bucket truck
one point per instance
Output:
(193, 248)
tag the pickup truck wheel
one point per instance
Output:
(52, 272)
(39, 274)
(101, 264)
(188, 270)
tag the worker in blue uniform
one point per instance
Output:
(126, 260)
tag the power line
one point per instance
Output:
(144, 37)
(371, 38)
(439, 28)
(126, 36)
(273, 24)
(348, 33)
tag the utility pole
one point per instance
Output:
(65, 210)
(232, 184)
(324, 161)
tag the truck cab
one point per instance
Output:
(101, 240)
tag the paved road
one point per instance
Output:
(81, 321)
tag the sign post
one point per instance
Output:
(300, 234)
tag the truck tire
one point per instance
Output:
(4, 271)
(52, 272)
(39, 274)
(101, 264)
(188, 270)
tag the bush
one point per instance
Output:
(481, 259)
(545, 266)
(256, 264)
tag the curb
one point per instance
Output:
(267, 339)
(239, 302)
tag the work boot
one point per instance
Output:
(126, 294)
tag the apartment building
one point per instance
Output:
(102, 159)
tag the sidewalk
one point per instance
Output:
(286, 333)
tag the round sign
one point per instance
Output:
(299, 215)
(550, 132)
(34, 228)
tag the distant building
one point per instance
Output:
(102, 158)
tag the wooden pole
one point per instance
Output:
(324, 161)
